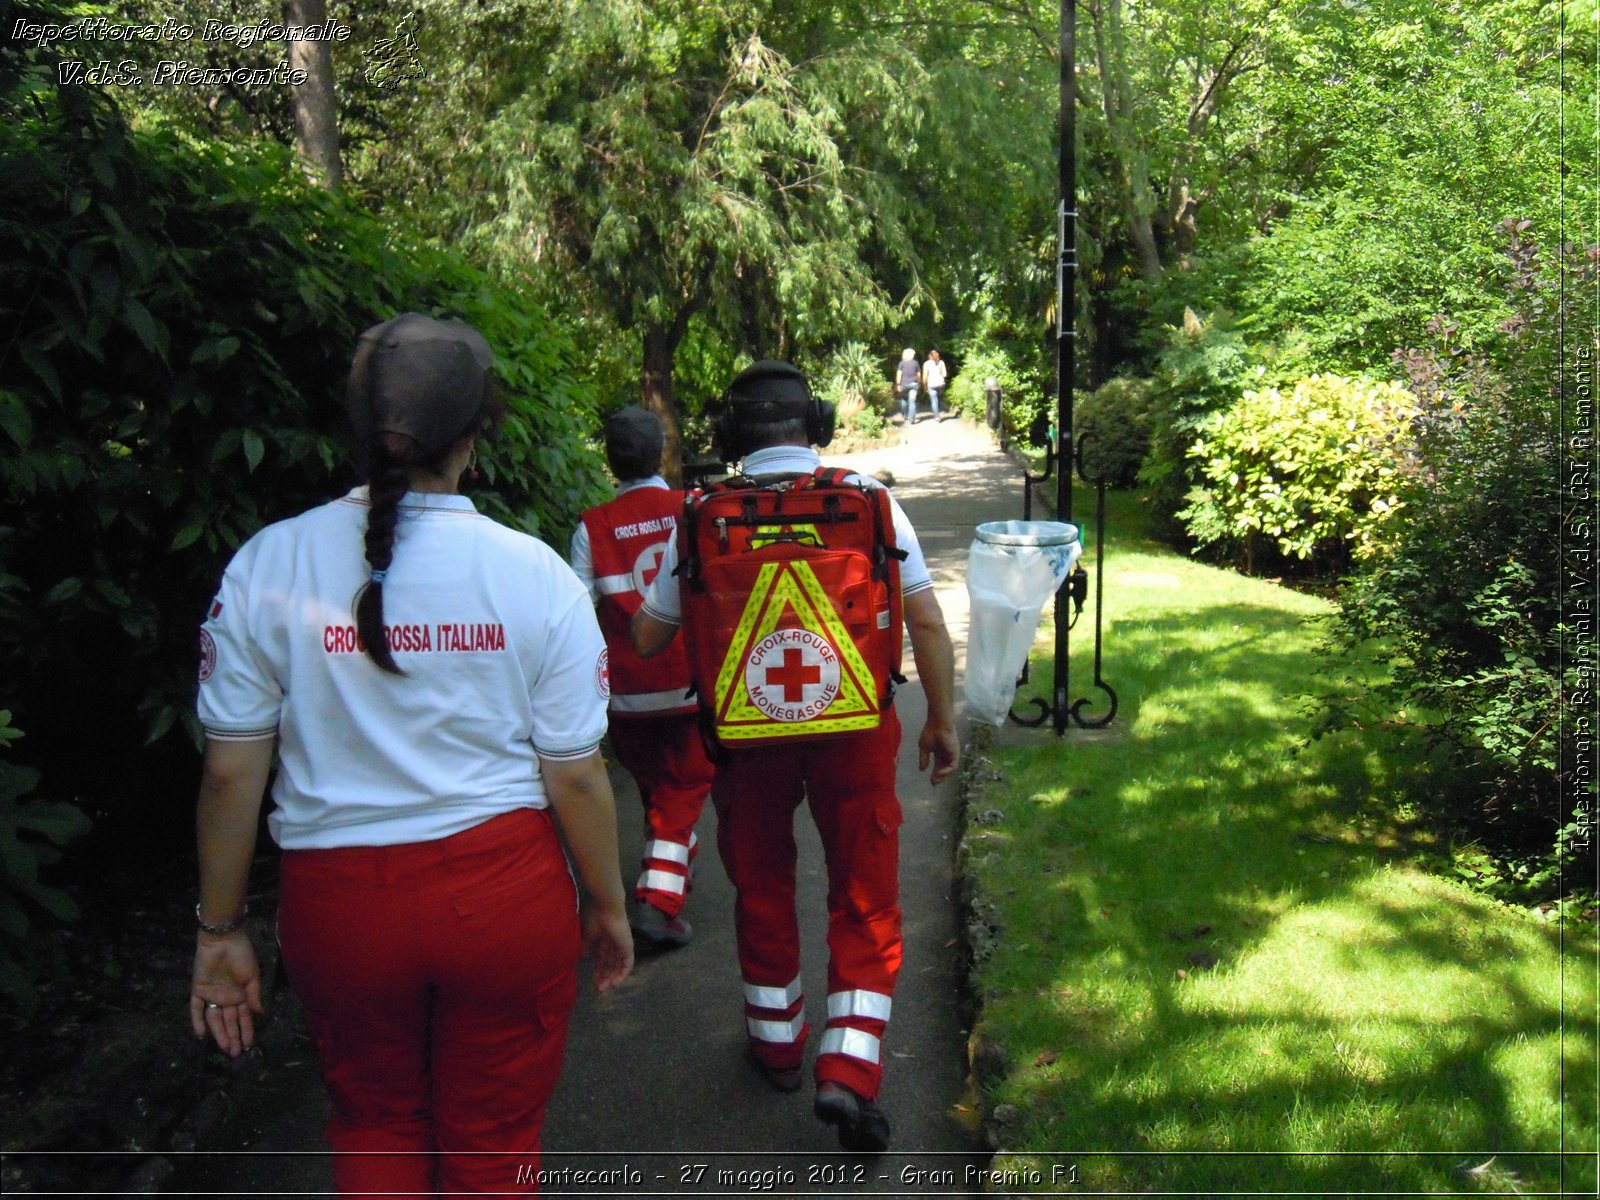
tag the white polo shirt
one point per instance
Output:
(503, 657)
(664, 602)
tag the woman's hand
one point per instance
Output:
(580, 799)
(226, 990)
(608, 940)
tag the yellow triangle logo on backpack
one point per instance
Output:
(792, 679)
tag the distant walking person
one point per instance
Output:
(933, 378)
(655, 731)
(435, 687)
(907, 376)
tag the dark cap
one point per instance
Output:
(421, 377)
(769, 391)
(634, 435)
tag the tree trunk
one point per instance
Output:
(655, 394)
(1207, 88)
(316, 117)
(1138, 202)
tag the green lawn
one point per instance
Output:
(1218, 956)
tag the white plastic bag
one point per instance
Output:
(1013, 567)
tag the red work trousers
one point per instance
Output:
(437, 979)
(849, 785)
(667, 758)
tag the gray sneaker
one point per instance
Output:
(652, 925)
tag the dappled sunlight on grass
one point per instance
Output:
(1209, 943)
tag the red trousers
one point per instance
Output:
(667, 759)
(437, 979)
(849, 785)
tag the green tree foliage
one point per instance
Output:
(982, 359)
(1203, 368)
(1461, 597)
(1312, 469)
(1422, 126)
(671, 163)
(178, 322)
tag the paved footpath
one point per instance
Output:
(656, 1091)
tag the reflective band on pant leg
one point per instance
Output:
(667, 851)
(859, 1003)
(778, 1031)
(852, 1043)
(757, 996)
(661, 881)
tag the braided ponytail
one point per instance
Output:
(417, 387)
(390, 478)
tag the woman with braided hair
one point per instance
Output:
(435, 686)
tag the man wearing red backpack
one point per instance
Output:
(616, 551)
(793, 587)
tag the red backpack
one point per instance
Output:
(791, 607)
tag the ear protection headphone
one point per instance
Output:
(762, 394)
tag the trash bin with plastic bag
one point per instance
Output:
(1013, 567)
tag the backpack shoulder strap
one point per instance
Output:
(833, 477)
(688, 568)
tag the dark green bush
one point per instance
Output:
(1115, 421)
(177, 322)
(1460, 600)
(31, 830)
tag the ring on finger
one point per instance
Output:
(210, 1004)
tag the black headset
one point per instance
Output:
(738, 408)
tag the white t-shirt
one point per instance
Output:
(503, 657)
(664, 602)
(933, 372)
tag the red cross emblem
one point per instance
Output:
(792, 674)
(647, 566)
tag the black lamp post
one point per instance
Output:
(1066, 311)
(1066, 454)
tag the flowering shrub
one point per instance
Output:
(1457, 600)
(1312, 469)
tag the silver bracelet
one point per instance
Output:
(228, 927)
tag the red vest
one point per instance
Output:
(626, 541)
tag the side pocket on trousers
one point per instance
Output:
(554, 1004)
(889, 815)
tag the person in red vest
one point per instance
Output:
(655, 732)
(771, 423)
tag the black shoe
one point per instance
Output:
(659, 931)
(783, 1079)
(861, 1123)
